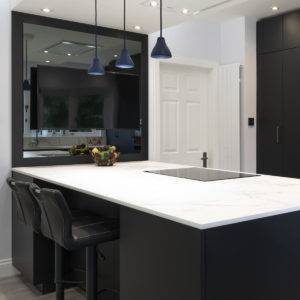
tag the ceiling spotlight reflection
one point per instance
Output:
(185, 11)
(67, 43)
(154, 3)
(46, 10)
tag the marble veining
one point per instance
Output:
(198, 204)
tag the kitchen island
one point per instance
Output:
(185, 239)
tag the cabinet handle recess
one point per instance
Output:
(277, 134)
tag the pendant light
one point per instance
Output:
(26, 84)
(161, 50)
(125, 61)
(96, 67)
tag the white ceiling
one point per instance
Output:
(257, 9)
(140, 13)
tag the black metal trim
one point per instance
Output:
(18, 19)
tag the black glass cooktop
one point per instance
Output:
(201, 174)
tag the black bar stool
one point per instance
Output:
(72, 234)
(28, 210)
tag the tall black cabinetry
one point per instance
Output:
(278, 140)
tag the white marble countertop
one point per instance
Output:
(198, 204)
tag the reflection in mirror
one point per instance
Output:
(64, 106)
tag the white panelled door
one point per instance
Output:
(184, 114)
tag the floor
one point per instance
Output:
(13, 288)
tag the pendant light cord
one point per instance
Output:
(125, 35)
(161, 19)
(26, 60)
(96, 27)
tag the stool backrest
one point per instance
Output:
(28, 210)
(56, 217)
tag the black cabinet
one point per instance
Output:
(279, 33)
(271, 34)
(278, 136)
(291, 30)
(291, 112)
(271, 85)
(270, 121)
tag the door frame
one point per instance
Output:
(154, 95)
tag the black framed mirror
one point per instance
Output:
(57, 105)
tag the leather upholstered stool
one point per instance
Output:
(28, 210)
(58, 224)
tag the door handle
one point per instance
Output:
(277, 134)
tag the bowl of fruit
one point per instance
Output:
(105, 155)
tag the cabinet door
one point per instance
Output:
(291, 111)
(291, 30)
(271, 34)
(270, 114)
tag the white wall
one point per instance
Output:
(233, 41)
(5, 126)
(198, 39)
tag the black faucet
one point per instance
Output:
(204, 159)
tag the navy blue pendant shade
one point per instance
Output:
(26, 85)
(96, 68)
(161, 50)
(125, 61)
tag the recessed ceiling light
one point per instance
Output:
(137, 27)
(185, 11)
(47, 61)
(196, 12)
(116, 55)
(275, 8)
(154, 3)
(46, 10)
(46, 51)
(69, 54)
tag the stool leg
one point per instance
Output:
(91, 273)
(60, 295)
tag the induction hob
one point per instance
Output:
(201, 174)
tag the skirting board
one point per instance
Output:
(7, 269)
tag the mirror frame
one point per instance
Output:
(18, 19)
